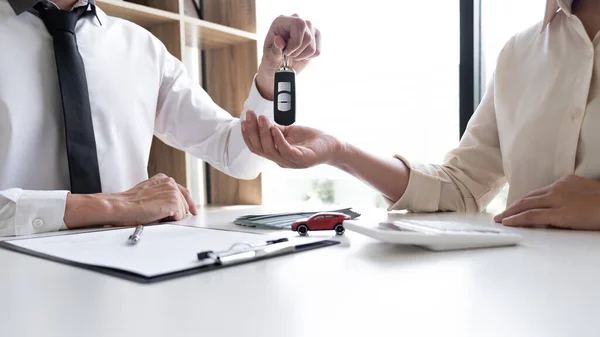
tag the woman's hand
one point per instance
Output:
(572, 202)
(289, 146)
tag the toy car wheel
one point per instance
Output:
(302, 230)
(339, 229)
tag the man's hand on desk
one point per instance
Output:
(293, 36)
(159, 198)
(572, 202)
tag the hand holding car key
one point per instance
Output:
(290, 46)
(285, 94)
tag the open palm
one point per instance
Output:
(288, 146)
(307, 146)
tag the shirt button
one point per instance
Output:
(38, 223)
(591, 52)
(575, 114)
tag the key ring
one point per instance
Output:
(285, 61)
(285, 65)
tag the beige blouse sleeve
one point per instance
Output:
(471, 175)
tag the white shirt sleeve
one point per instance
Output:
(188, 119)
(25, 212)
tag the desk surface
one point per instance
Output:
(548, 286)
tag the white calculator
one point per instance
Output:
(438, 232)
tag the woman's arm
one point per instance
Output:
(387, 175)
(303, 147)
(470, 177)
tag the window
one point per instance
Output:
(387, 81)
(500, 20)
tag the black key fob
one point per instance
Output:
(285, 95)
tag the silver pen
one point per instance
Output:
(136, 236)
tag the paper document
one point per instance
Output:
(162, 249)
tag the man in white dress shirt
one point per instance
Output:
(135, 90)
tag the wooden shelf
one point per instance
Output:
(228, 36)
(142, 15)
(206, 35)
(210, 35)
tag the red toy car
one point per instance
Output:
(321, 222)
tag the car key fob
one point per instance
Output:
(285, 94)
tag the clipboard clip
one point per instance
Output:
(237, 255)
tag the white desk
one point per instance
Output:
(549, 286)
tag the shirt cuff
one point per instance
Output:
(40, 212)
(258, 104)
(422, 193)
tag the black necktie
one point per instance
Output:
(79, 130)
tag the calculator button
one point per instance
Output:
(284, 86)
(284, 102)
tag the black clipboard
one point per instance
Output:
(135, 277)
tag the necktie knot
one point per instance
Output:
(59, 21)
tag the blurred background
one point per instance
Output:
(387, 81)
